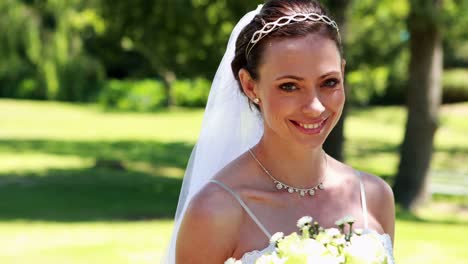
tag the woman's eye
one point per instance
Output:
(288, 87)
(331, 83)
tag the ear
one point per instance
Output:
(249, 85)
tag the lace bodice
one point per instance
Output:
(252, 256)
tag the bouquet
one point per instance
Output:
(314, 244)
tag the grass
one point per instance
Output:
(79, 185)
(83, 242)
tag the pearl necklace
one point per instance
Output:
(281, 185)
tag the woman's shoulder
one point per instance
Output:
(377, 190)
(380, 201)
(215, 199)
(213, 202)
(379, 195)
(211, 222)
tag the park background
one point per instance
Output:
(101, 102)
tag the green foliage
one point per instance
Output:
(367, 83)
(455, 34)
(191, 93)
(375, 45)
(42, 41)
(187, 37)
(62, 50)
(80, 79)
(455, 85)
(132, 95)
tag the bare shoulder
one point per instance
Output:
(208, 230)
(380, 201)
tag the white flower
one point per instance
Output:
(358, 231)
(340, 222)
(276, 237)
(349, 219)
(339, 240)
(232, 261)
(323, 259)
(365, 249)
(303, 221)
(323, 238)
(332, 232)
(328, 246)
(270, 259)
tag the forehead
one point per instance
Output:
(302, 56)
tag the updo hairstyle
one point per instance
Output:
(271, 11)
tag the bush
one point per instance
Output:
(367, 83)
(133, 95)
(455, 85)
(79, 79)
(191, 93)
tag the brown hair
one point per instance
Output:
(271, 11)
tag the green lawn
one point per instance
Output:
(80, 185)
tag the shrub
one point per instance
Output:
(79, 79)
(455, 85)
(133, 95)
(191, 93)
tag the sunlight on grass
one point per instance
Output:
(102, 242)
(28, 162)
(89, 175)
(67, 121)
(430, 243)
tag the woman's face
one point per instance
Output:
(300, 87)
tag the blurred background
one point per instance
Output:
(101, 102)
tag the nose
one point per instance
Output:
(313, 105)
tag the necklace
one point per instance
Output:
(281, 185)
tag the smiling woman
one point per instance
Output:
(256, 170)
(302, 84)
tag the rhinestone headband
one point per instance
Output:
(284, 20)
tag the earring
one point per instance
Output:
(256, 100)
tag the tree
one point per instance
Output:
(187, 37)
(423, 101)
(335, 141)
(41, 53)
(375, 60)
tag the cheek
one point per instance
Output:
(275, 107)
(336, 100)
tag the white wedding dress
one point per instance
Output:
(252, 256)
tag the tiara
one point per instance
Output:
(284, 20)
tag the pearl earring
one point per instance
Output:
(256, 100)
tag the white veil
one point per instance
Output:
(229, 128)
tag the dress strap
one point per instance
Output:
(363, 200)
(249, 212)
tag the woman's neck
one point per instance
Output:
(291, 164)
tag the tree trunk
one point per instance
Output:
(335, 141)
(423, 101)
(168, 79)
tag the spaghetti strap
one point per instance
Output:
(249, 212)
(363, 200)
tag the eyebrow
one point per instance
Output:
(329, 73)
(290, 77)
(301, 79)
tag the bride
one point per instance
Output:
(259, 165)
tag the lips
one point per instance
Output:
(310, 128)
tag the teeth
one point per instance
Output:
(310, 126)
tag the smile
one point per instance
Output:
(310, 128)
